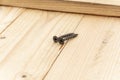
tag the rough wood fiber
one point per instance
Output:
(28, 52)
(96, 7)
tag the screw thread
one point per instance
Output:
(70, 36)
(66, 35)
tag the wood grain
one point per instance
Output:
(33, 46)
(94, 55)
(8, 16)
(28, 52)
(96, 7)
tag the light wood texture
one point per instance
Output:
(96, 7)
(94, 55)
(31, 49)
(7, 16)
(28, 52)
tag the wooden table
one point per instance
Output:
(27, 51)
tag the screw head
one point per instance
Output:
(55, 39)
(61, 41)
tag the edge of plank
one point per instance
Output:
(68, 6)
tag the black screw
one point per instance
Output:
(63, 38)
(56, 39)
(66, 35)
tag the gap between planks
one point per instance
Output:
(10, 17)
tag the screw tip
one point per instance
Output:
(76, 35)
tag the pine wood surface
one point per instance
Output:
(27, 51)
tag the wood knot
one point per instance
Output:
(24, 76)
(3, 37)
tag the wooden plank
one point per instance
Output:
(93, 55)
(96, 7)
(28, 49)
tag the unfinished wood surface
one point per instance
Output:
(94, 55)
(31, 49)
(28, 52)
(7, 16)
(96, 7)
